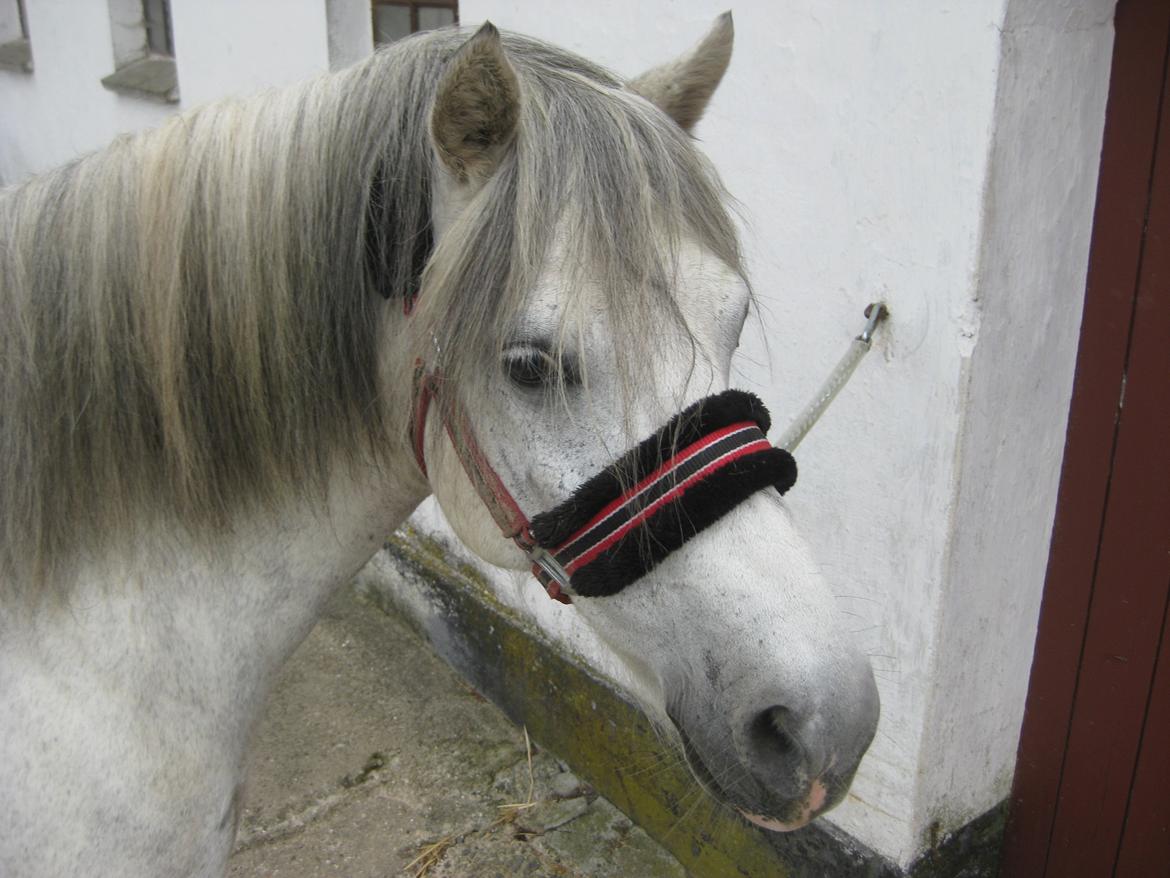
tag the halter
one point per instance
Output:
(623, 521)
(504, 510)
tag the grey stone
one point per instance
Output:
(553, 814)
(153, 77)
(567, 784)
(603, 842)
(16, 55)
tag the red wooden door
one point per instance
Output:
(1092, 787)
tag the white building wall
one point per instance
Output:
(60, 110)
(1017, 382)
(351, 31)
(9, 22)
(222, 47)
(941, 156)
(225, 47)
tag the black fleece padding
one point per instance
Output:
(702, 504)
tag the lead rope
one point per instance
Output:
(876, 312)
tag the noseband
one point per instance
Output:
(623, 521)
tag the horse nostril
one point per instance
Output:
(771, 732)
(776, 751)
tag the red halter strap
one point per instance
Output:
(620, 523)
(504, 510)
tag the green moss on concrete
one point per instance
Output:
(432, 559)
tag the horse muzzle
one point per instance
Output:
(782, 766)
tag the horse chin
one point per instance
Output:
(813, 805)
(774, 825)
(787, 818)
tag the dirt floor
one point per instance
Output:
(375, 759)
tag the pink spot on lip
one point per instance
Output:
(816, 796)
(815, 801)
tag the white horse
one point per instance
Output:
(206, 381)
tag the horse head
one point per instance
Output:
(585, 286)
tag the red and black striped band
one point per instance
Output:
(621, 523)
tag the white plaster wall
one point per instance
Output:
(939, 155)
(60, 110)
(9, 22)
(1018, 382)
(351, 31)
(225, 47)
(222, 47)
(127, 30)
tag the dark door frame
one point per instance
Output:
(1092, 787)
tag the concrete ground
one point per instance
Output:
(375, 759)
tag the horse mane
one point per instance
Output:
(194, 320)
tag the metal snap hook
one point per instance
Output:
(876, 312)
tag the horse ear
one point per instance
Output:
(476, 107)
(682, 88)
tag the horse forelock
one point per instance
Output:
(602, 183)
(194, 320)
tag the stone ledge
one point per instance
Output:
(154, 78)
(16, 56)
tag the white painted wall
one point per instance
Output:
(222, 47)
(1017, 381)
(939, 155)
(60, 109)
(9, 22)
(225, 47)
(351, 31)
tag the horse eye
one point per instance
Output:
(534, 367)
(530, 369)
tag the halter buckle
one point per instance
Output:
(542, 558)
(547, 569)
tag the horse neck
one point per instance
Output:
(155, 672)
(202, 630)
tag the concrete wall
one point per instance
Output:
(941, 156)
(1017, 381)
(225, 47)
(60, 109)
(222, 47)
